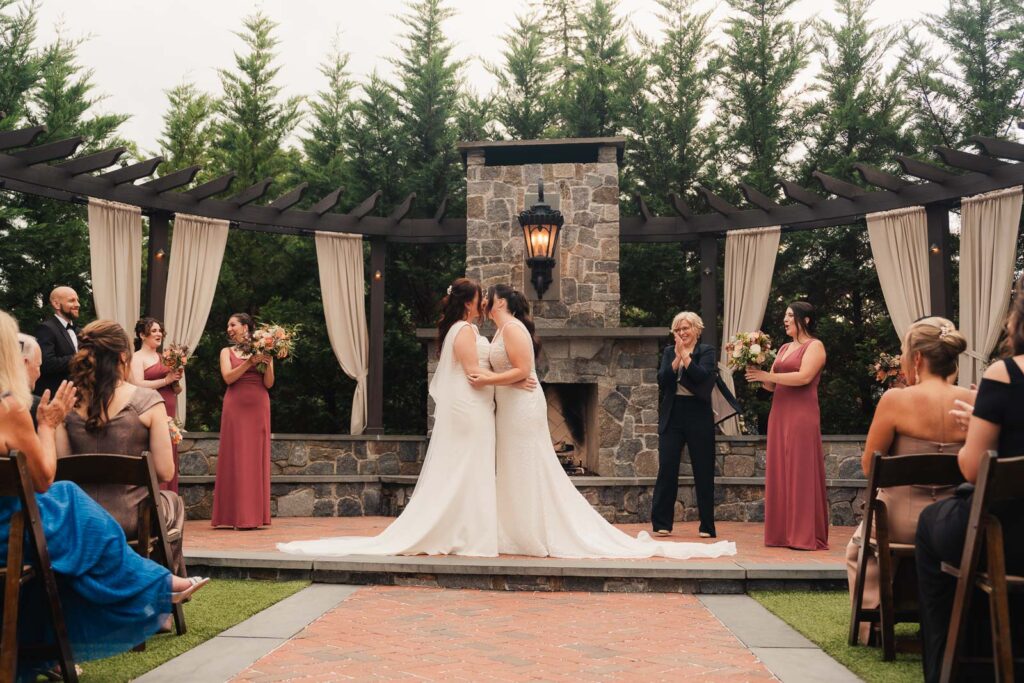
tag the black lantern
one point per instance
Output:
(541, 224)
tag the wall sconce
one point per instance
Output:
(541, 225)
(707, 272)
(159, 255)
(935, 249)
(377, 275)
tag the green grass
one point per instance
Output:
(824, 618)
(215, 608)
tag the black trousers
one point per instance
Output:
(691, 424)
(941, 531)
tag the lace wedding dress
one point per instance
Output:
(540, 512)
(453, 509)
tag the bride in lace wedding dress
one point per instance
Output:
(540, 512)
(452, 510)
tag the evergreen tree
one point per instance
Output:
(760, 115)
(374, 138)
(188, 127)
(525, 103)
(562, 21)
(325, 164)
(474, 118)
(20, 62)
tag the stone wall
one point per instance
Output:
(588, 250)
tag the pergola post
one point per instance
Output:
(940, 260)
(375, 380)
(159, 256)
(709, 288)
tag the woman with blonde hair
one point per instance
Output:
(112, 598)
(915, 419)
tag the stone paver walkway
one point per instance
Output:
(391, 633)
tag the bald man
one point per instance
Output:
(58, 339)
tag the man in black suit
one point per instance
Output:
(58, 339)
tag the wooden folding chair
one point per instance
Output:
(999, 481)
(928, 469)
(129, 470)
(15, 481)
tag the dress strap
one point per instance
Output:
(1016, 375)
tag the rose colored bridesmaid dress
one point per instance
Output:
(159, 371)
(241, 491)
(796, 512)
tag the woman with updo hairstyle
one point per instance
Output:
(908, 421)
(115, 416)
(241, 490)
(148, 370)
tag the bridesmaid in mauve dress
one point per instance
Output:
(149, 371)
(796, 512)
(241, 492)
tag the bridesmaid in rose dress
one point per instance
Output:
(796, 512)
(241, 492)
(149, 371)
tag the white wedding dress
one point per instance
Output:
(540, 512)
(453, 510)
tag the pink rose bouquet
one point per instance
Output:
(750, 349)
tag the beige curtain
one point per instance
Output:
(899, 245)
(988, 244)
(342, 285)
(197, 250)
(115, 255)
(749, 264)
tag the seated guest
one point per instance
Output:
(916, 419)
(114, 416)
(149, 371)
(997, 424)
(58, 338)
(33, 358)
(112, 598)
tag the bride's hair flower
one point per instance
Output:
(449, 290)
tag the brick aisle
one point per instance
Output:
(398, 633)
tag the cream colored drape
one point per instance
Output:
(988, 245)
(899, 245)
(340, 260)
(115, 255)
(197, 250)
(749, 264)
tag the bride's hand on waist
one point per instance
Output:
(528, 384)
(480, 379)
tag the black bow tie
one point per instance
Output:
(71, 326)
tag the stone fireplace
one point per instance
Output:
(603, 375)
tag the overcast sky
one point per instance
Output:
(140, 48)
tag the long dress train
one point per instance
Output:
(453, 509)
(540, 512)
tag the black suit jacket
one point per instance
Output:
(700, 378)
(58, 350)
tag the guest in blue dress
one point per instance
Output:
(112, 598)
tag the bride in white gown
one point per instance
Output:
(540, 512)
(452, 510)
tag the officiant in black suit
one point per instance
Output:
(58, 339)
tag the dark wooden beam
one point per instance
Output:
(251, 193)
(375, 376)
(967, 161)
(403, 209)
(290, 198)
(1004, 149)
(940, 260)
(158, 264)
(717, 203)
(172, 180)
(757, 198)
(9, 139)
(130, 174)
(366, 206)
(679, 206)
(839, 188)
(924, 171)
(27, 188)
(328, 202)
(642, 207)
(92, 162)
(800, 194)
(709, 290)
(211, 188)
(881, 179)
(441, 210)
(40, 154)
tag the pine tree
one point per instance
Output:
(20, 62)
(525, 102)
(188, 128)
(325, 165)
(475, 118)
(973, 84)
(760, 115)
(374, 138)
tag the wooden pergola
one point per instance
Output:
(51, 170)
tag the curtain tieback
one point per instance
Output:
(976, 356)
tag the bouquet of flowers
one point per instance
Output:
(887, 371)
(276, 341)
(174, 427)
(174, 358)
(750, 349)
